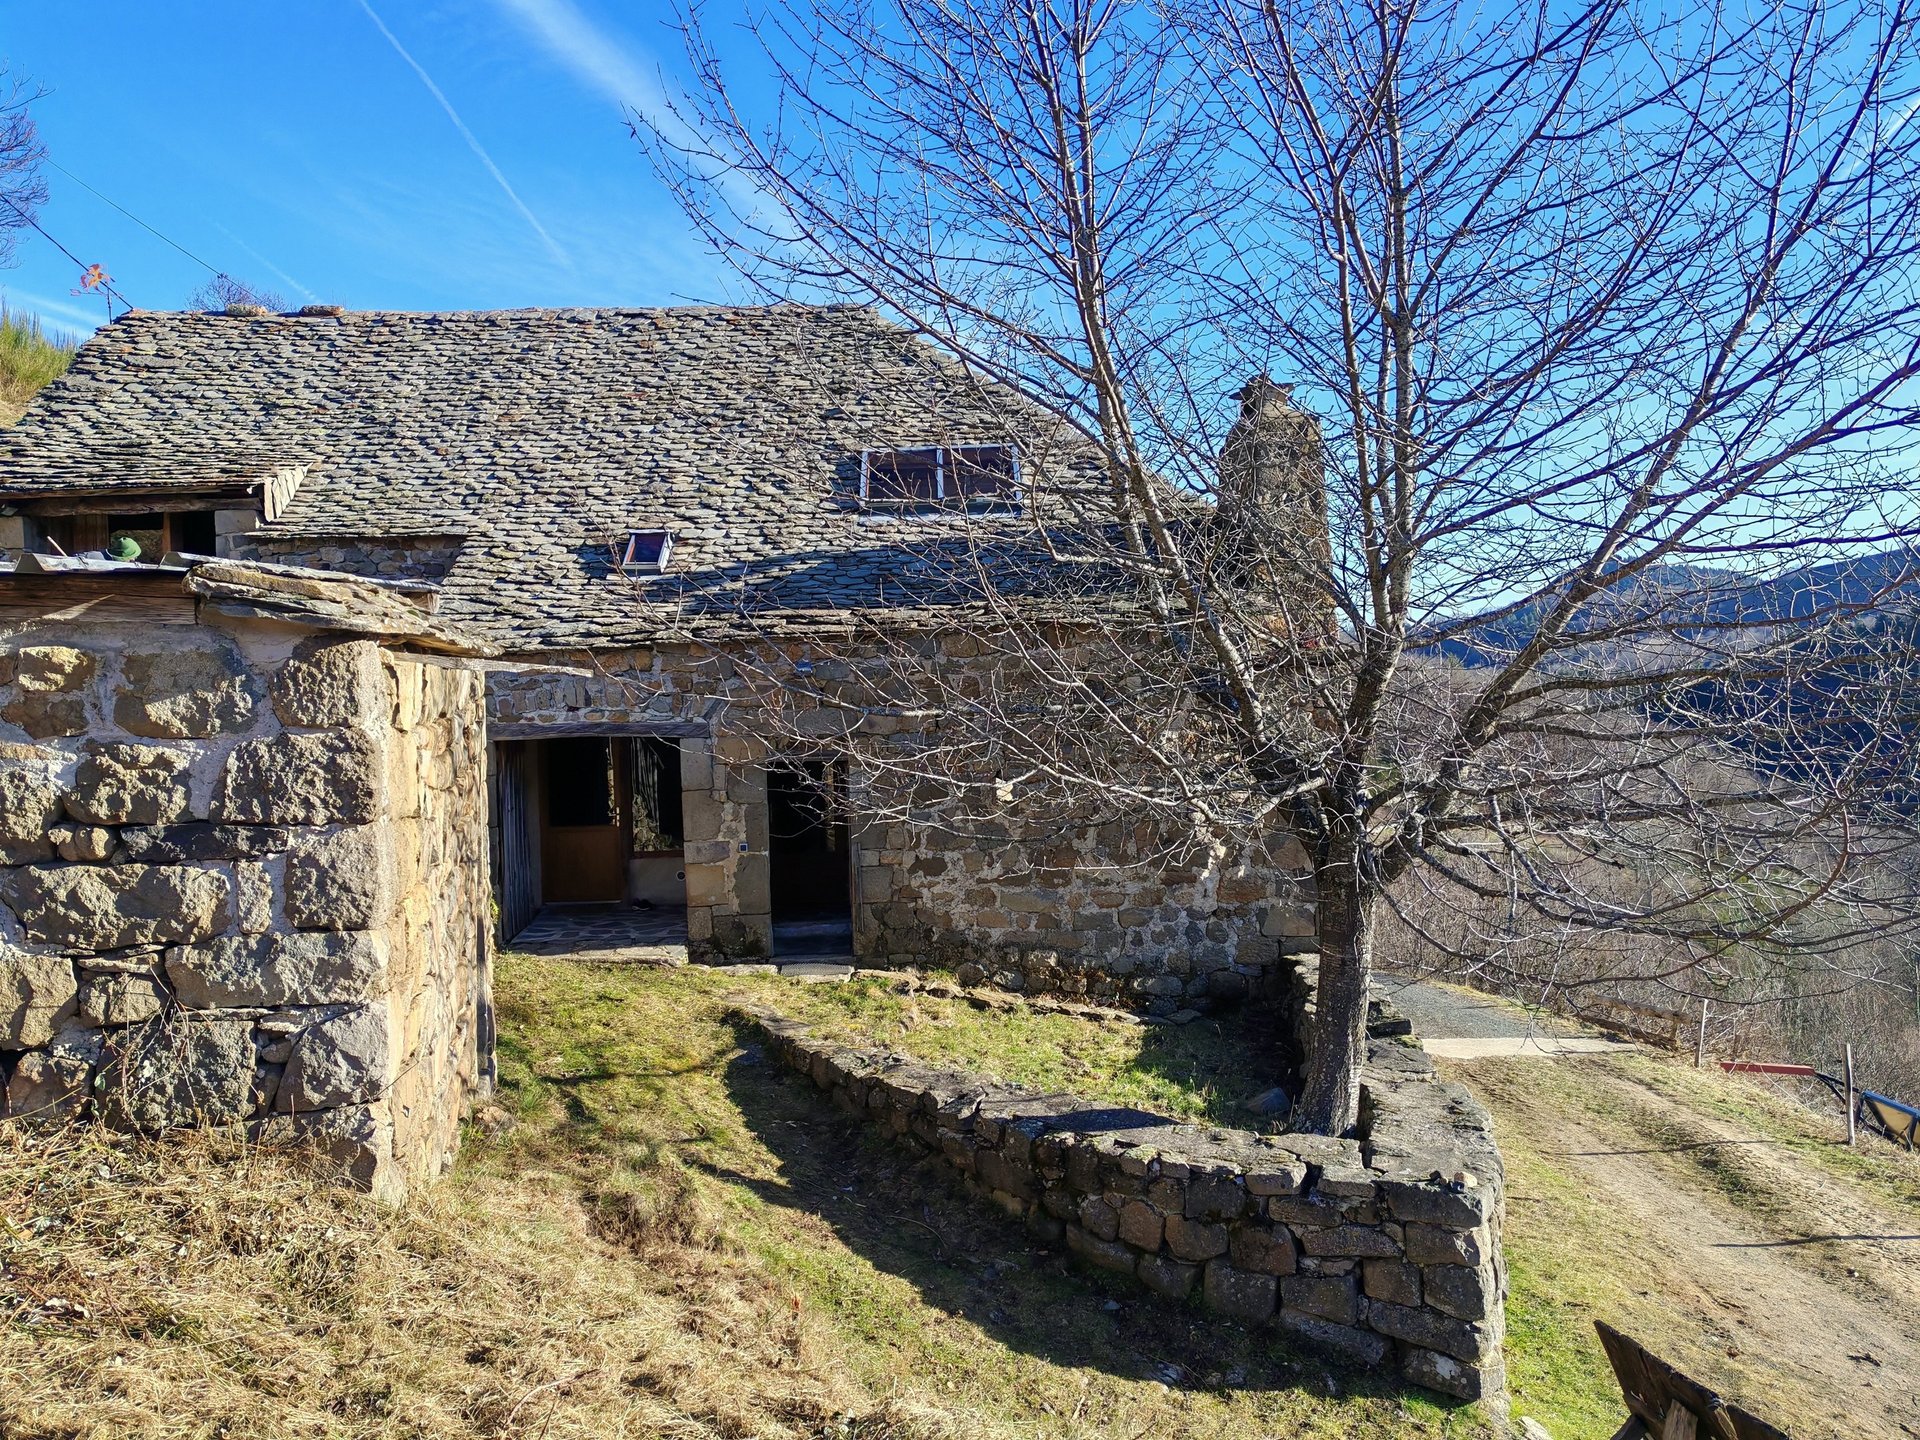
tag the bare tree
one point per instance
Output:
(224, 291)
(1607, 317)
(22, 189)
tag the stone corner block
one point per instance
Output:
(341, 881)
(331, 682)
(344, 1060)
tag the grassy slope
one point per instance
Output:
(29, 361)
(669, 1239)
(653, 1233)
(1726, 1152)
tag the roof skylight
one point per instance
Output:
(647, 551)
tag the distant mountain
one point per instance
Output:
(1689, 596)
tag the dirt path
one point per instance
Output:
(1786, 1276)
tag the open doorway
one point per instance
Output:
(657, 869)
(810, 870)
(603, 814)
(583, 833)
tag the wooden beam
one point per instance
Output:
(560, 729)
(152, 598)
(135, 502)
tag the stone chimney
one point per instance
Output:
(1272, 511)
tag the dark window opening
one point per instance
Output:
(895, 477)
(154, 532)
(978, 472)
(148, 532)
(191, 532)
(657, 824)
(580, 782)
(939, 474)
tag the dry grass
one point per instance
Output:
(29, 361)
(198, 1288)
(1200, 1071)
(655, 1234)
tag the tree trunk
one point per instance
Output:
(1330, 1098)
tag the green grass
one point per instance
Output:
(1556, 1232)
(631, 1086)
(29, 361)
(1200, 1071)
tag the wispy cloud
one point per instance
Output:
(59, 315)
(284, 276)
(473, 142)
(598, 60)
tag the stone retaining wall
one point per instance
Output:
(1384, 1248)
(243, 881)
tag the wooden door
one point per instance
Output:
(583, 836)
(519, 838)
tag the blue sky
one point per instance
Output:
(290, 143)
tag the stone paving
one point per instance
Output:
(622, 935)
(609, 934)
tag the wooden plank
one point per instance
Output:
(519, 843)
(560, 729)
(1655, 1390)
(152, 597)
(136, 502)
(1760, 1067)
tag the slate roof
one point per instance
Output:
(539, 436)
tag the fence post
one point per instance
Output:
(1852, 1104)
(1700, 1041)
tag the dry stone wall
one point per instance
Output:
(243, 882)
(397, 557)
(1031, 903)
(1384, 1248)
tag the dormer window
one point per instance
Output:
(939, 474)
(647, 551)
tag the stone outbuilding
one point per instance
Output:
(243, 858)
(625, 505)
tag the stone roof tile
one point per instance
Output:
(543, 435)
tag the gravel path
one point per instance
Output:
(1452, 1012)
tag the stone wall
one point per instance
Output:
(1031, 904)
(243, 881)
(1384, 1248)
(398, 557)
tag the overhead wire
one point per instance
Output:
(106, 284)
(211, 268)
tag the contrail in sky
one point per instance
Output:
(465, 134)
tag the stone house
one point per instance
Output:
(621, 505)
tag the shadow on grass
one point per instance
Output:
(1225, 1058)
(905, 1213)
